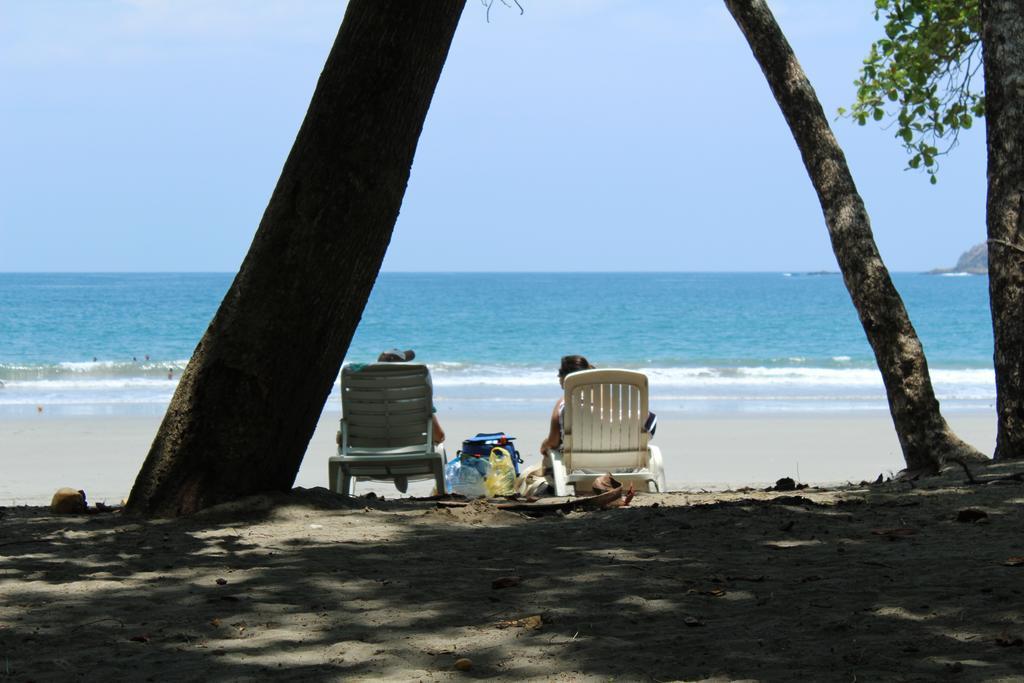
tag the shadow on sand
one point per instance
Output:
(864, 583)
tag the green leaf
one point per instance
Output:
(922, 62)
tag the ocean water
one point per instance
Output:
(710, 342)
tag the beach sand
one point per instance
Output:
(859, 582)
(102, 454)
(863, 583)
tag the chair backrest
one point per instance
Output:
(386, 405)
(603, 420)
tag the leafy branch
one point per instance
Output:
(920, 76)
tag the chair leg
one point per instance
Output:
(332, 476)
(559, 474)
(657, 467)
(348, 484)
(439, 480)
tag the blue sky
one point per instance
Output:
(147, 135)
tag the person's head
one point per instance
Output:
(396, 356)
(571, 364)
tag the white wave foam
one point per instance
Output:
(70, 384)
(87, 366)
(509, 384)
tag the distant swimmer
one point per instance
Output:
(170, 373)
(147, 356)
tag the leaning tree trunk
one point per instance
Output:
(1002, 36)
(249, 400)
(926, 439)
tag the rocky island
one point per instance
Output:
(974, 261)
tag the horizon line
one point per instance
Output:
(468, 272)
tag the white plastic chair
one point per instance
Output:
(603, 431)
(386, 428)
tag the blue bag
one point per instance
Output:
(480, 446)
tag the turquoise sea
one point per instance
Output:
(710, 342)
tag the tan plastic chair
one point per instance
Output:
(386, 431)
(602, 431)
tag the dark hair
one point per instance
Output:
(571, 364)
(396, 356)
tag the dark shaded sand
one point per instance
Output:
(865, 583)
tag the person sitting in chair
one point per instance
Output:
(534, 481)
(396, 356)
(569, 365)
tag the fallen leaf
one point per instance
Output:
(898, 532)
(1006, 641)
(222, 582)
(1014, 562)
(693, 621)
(139, 639)
(506, 582)
(464, 664)
(215, 622)
(971, 515)
(532, 622)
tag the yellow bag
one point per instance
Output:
(501, 477)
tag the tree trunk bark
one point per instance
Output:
(1002, 36)
(924, 436)
(249, 400)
